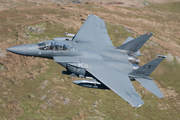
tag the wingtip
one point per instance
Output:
(161, 56)
(149, 33)
(137, 105)
(89, 15)
(161, 96)
(92, 15)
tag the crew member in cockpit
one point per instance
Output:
(51, 46)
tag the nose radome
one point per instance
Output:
(19, 49)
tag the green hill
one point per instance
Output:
(35, 88)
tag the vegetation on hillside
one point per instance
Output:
(35, 88)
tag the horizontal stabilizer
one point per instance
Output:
(148, 68)
(135, 44)
(151, 86)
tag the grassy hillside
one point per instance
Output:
(34, 88)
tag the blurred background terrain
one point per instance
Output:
(35, 88)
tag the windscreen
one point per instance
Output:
(52, 46)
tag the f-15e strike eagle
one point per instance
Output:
(91, 54)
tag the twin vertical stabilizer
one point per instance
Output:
(148, 68)
(132, 45)
(141, 75)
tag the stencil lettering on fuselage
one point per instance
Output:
(83, 65)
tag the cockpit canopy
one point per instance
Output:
(53, 45)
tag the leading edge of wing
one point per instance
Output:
(93, 32)
(119, 83)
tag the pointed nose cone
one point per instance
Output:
(78, 82)
(19, 49)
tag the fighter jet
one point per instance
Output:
(91, 54)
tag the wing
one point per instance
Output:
(112, 76)
(118, 82)
(93, 32)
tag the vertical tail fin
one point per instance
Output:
(133, 45)
(148, 68)
(128, 40)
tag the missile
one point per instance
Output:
(90, 84)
